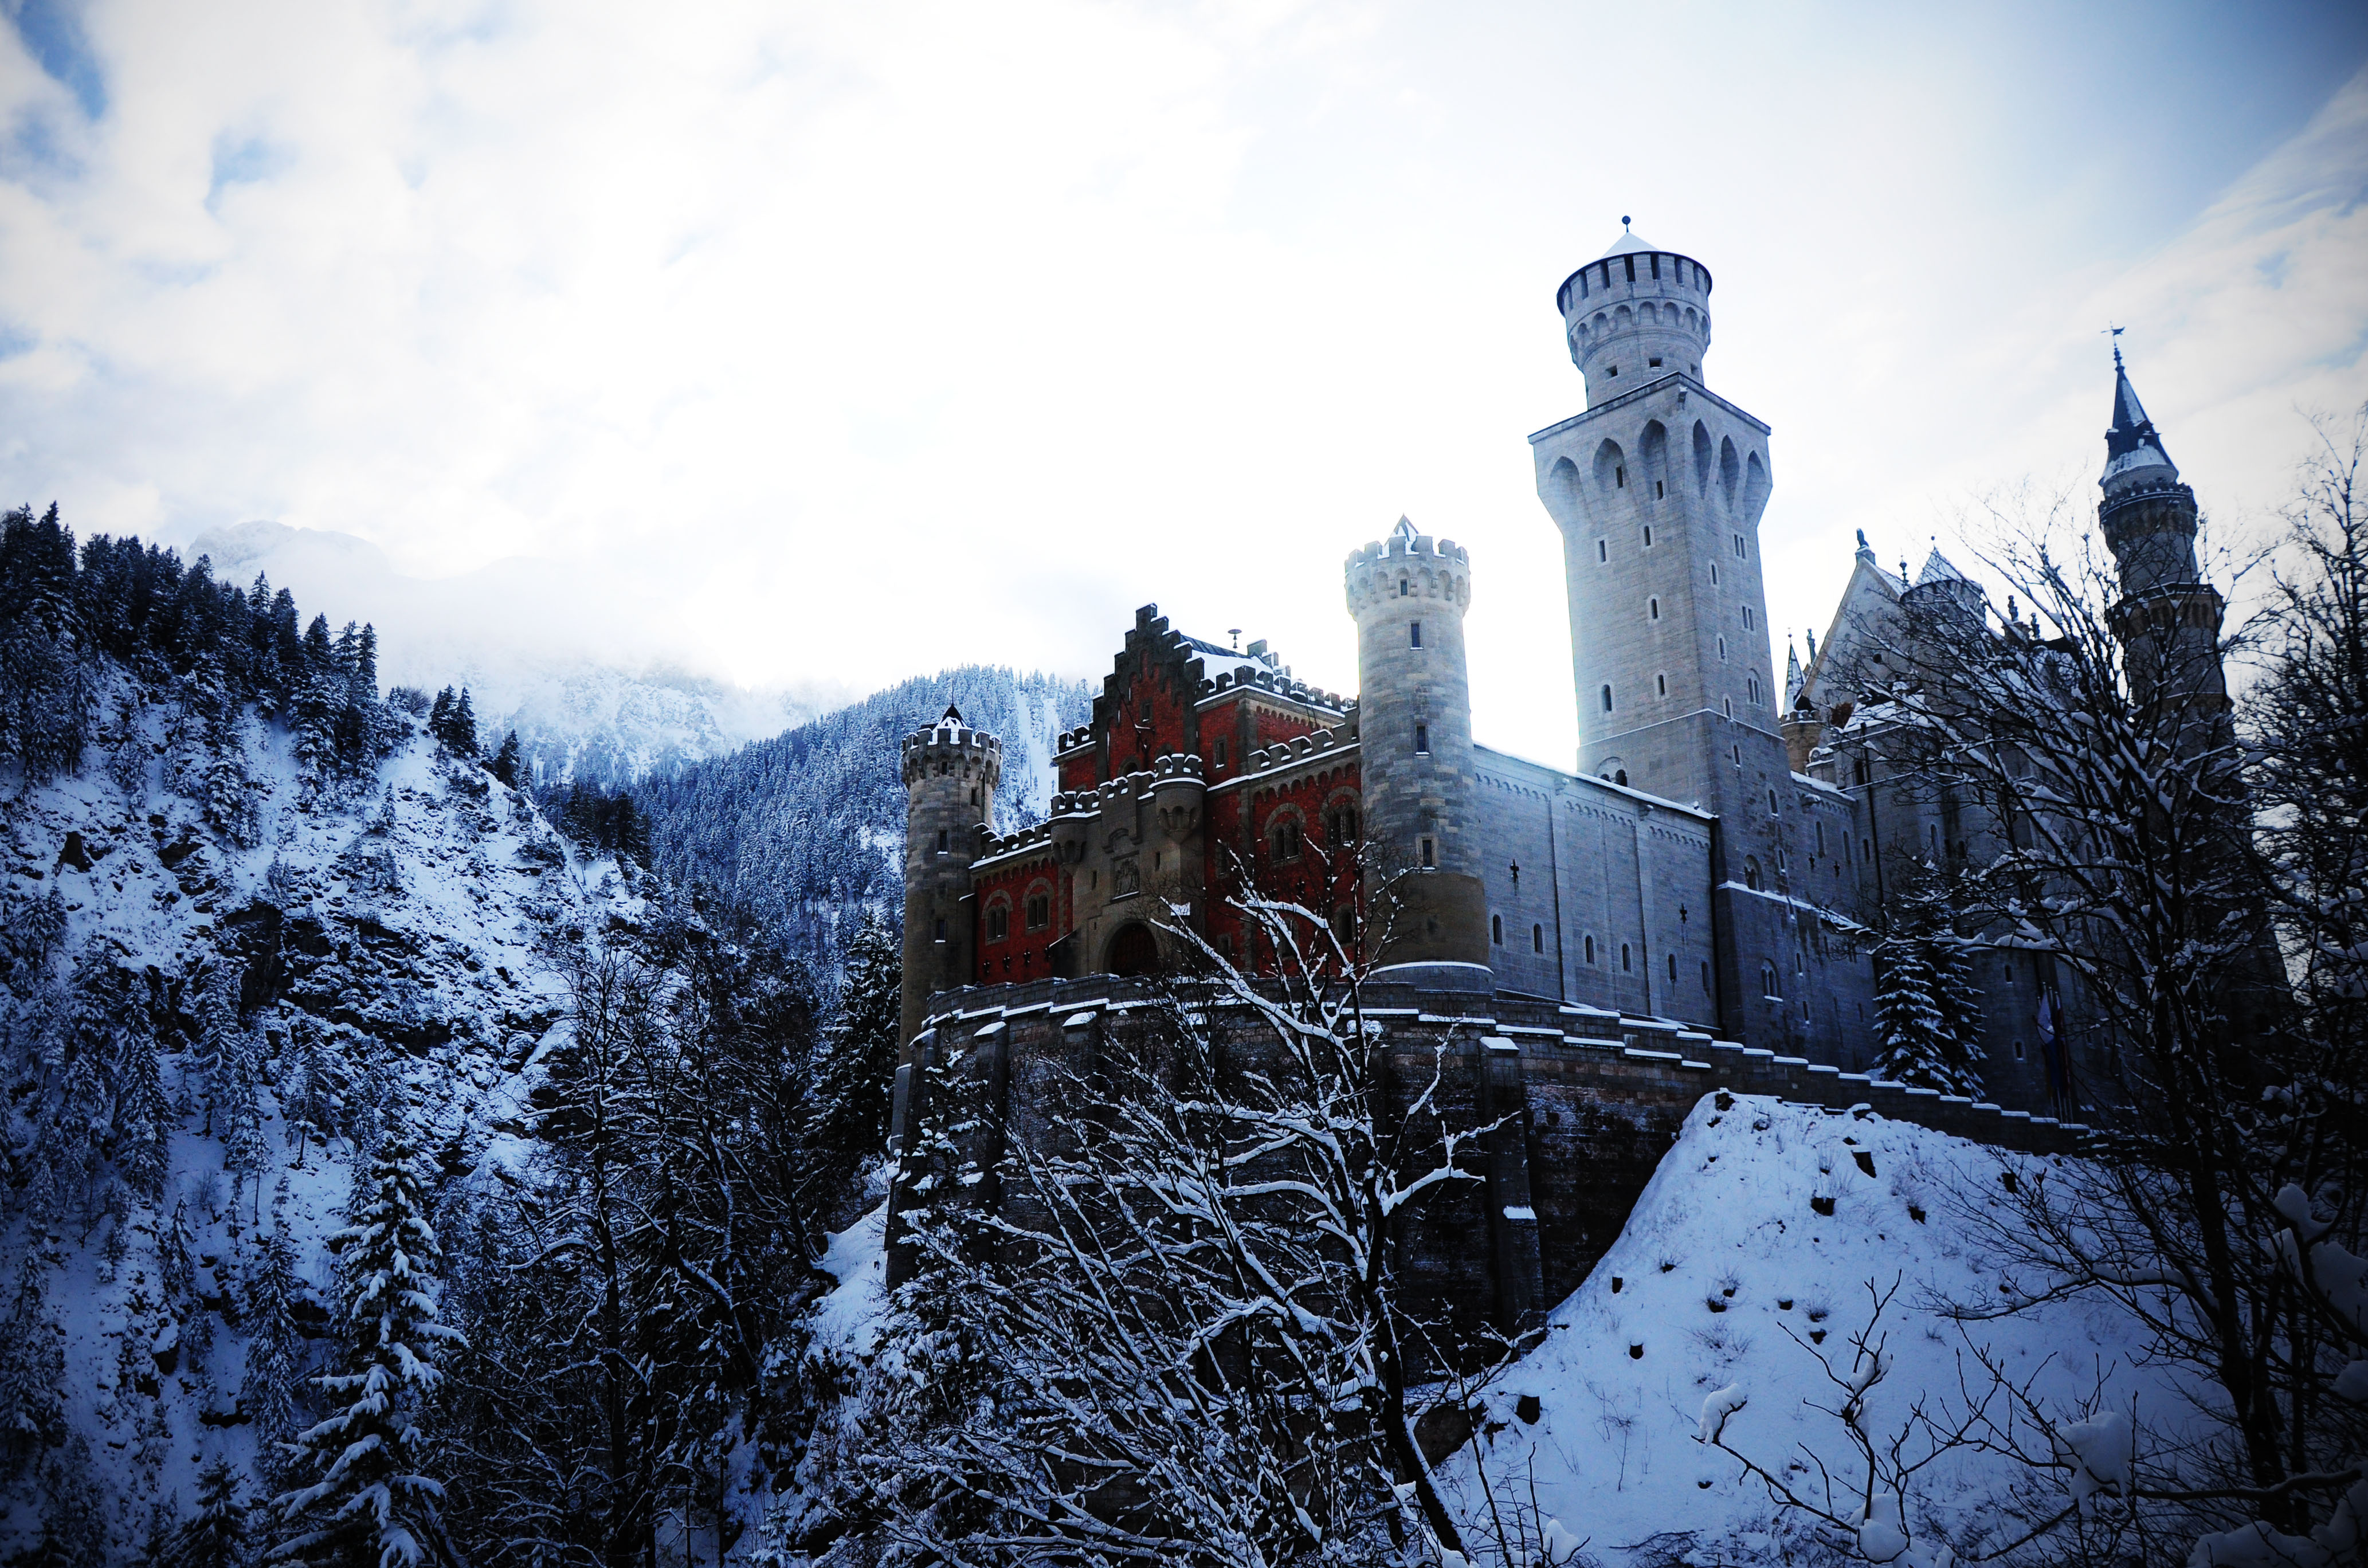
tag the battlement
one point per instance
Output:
(1407, 569)
(1280, 685)
(952, 750)
(1299, 748)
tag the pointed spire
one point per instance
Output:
(1792, 670)
(952, 716)
(2132, 447)
(1405, 530)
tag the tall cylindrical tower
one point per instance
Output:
(1634, 315)
(2169, 618)
(951, 771)
(1425, 898)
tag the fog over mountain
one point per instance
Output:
(560, 651)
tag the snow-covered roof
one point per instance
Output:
(1628, 244)
(2132, 444)
(1938, 568)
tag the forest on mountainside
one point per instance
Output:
(807, 829)
(381, 1172)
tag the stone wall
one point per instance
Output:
(1589, 1099)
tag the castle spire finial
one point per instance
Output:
(2133, 447)
(1624, 222)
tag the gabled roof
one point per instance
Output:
(1939, 569)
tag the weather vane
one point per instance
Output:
(2116, 334)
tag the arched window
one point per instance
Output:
(1625, 966)
(1751, 873)
(1620, 777)
(1767, 980)
(1673, 969)
(998, 921)
(1286, 840)
(1607, 700)
(1590, 949)
(1496, 929)
(1705, 977)
(1537, 939)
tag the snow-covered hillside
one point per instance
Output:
(1759, 1250)
(382, 945)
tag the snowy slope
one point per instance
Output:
(401, 920)
(1725, 1277)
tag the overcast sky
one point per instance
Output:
(845, 342)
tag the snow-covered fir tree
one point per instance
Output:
(1928, 1020)
(362, 1491)
(217, 1537)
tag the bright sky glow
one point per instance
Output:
(806, 344)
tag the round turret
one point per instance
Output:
(1634, 315)
(951, 771)
(1410, 595)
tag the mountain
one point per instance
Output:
(274, 959)
(805, 828)
(546, 648)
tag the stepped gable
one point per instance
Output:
(1172, 694)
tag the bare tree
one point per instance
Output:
(1175, 1323)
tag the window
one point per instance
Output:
(1619, 471)
(1654, 365)
(1771, 802)
(1630, 260)
(1821, 840)
(1423, 740)
(1746, 617)
(1661, 685)
(1728, 703)
(1656, 272)
(1615, 370)
(1039, 911)
(1625, 966)
(945, 842)
(1496, 929)
(974, 794)
(1405, 588)
(1736, 750)
(1751, 874)
(1738, 547)
(1705, 977)
(1537, 939)
(1429, 854)
(1287, 841)
(1713, 574)
(1340, 826)
(1620, 777)
(1673, 969)
(998, 922)
(1607, 700)
(1590, 949)
(1415, 628)
(1603, 549)
(2018, 1050)
(1722, 648)
(2009, 972)
(1751, 687)
(1767, 980)
(1221, 754)
(1648, 536)
(1653, 608)
(942, 928)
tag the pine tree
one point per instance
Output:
(367, 1498)
(440, 718)
(1928, 1015)
(856, 1078)
(32, 1366)
(217, 1537)
(144, 1121)
(464, 739)
(506, 763)
(275, 1349)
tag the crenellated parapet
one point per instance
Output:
(954, 751)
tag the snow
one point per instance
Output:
(1707, 1319)
(846, 1320)
(452, 897)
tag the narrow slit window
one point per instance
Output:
(1603, 549)
(1626, 967)
(1421, 739)
(1653, 608)
(1607, 700)
(1660, 686)
(1619, 471)
(1648, 536)
(1660, 490)
(1496, 929)
(1429, 854)
(1415, 628)
(1590, 949)
(1537, 939)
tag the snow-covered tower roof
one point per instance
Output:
(2135, 458)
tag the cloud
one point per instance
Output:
(827, 343)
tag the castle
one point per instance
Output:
(1717, 865)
